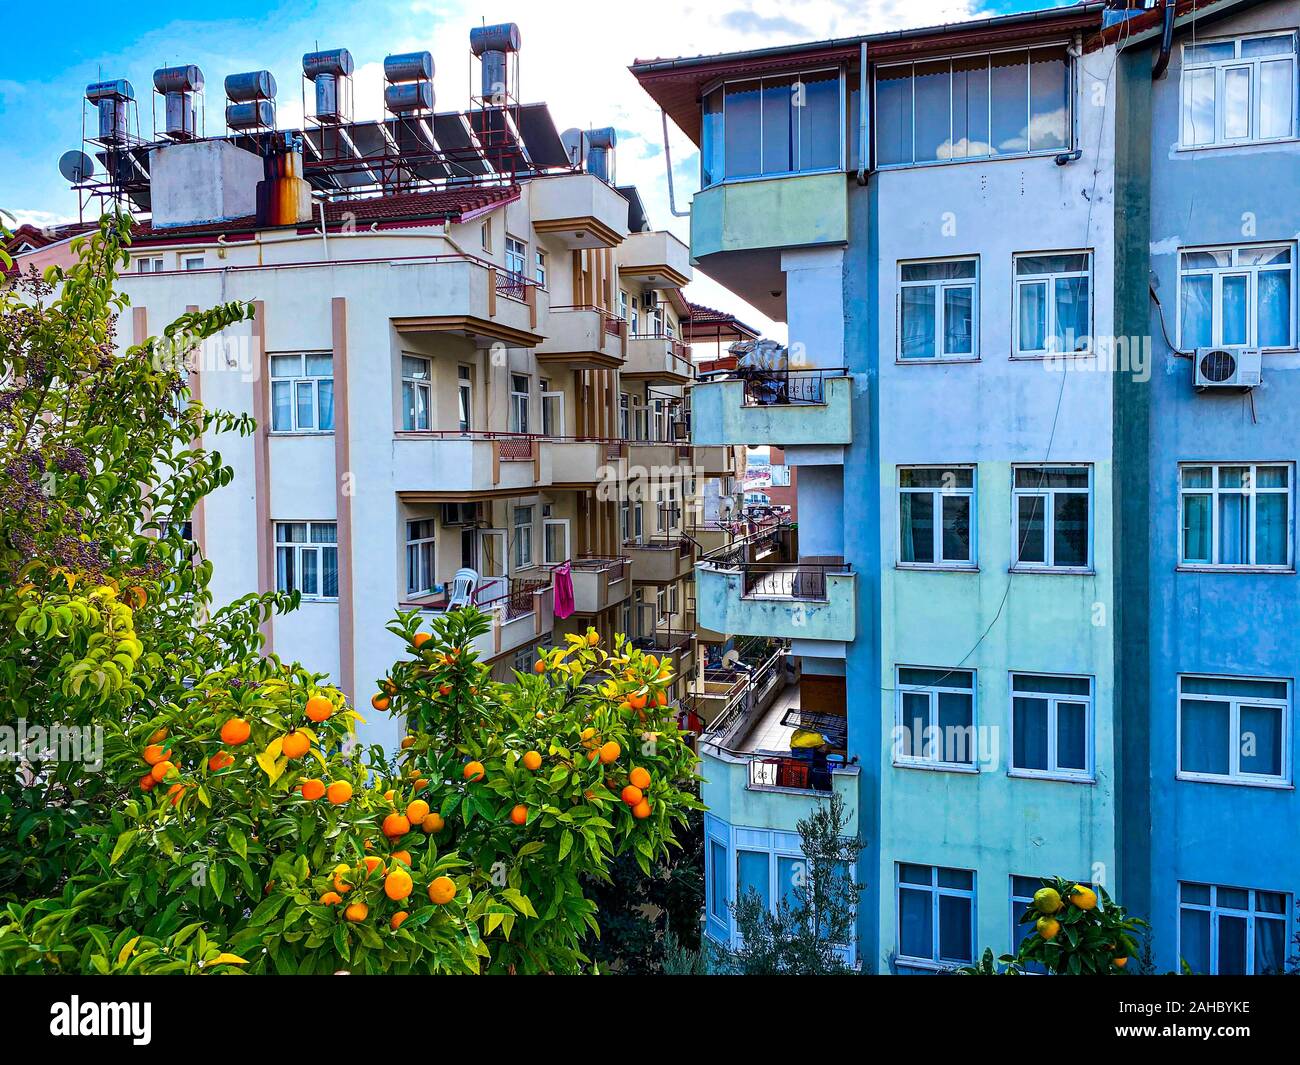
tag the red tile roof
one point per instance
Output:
(708, 323)
(43, 236)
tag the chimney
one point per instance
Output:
(600, 153)
(283, 195)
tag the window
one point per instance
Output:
(1238, 92)
(786, 124)
(420, 557)
(485, 235)
(524, 659)
(302, 393)
(938, 310)
(623, 304)
(182, 529)
(539, 267)
(936, 516)
(631, 522)
(1227, 931)
(1052, 507)
(307, 558)
(516, 256)
(1022, 897)
(552, 411)
(1233, 730)
(935, 718)
(1237, 297)
(416, 376)
(634, 326)
(1235, 516)
(936, 916)
(624, 415)
(148, 265)
(523, 536)
(555, 541)
(464, 398)
(492, 552)
(519, 389)
(1051, 726)
(192, 262)
(972, 107)
(1053, 303)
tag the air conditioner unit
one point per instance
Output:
(650, 300)
(1230, 369)
(460, 513)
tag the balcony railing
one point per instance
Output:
(511, 597)
(786, 388)
(785, 580)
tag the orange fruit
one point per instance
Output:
(339, 792)
(340, 885)
(162, 769)
(158, 736)
(312, 789)
(474, 771)
(444, 689)
(154, 753)
(408, 742)
(1120, 962)
(235, 731)
(636, 701)
(519, 814)
(176, 791)
(395, 825)
(295, 744)
(147, 782)
(1048, 927)
(402, 856)
(433, 822)
(319, 708)
(220, 760)
(641, 810)
(373, 862)
(442, 890)
(398, 884)
(610, 752)
(661, 699)
(395, 922)
(539, 666)
(532, 760)
(388, 796)
(420, 639)
(379, 702)
(421, 783)
(417, 811)
(593, 638)
(331, 898)
(639, 777)
(632, 795)
(357, 911)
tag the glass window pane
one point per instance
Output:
(1194, 941)
(753, 873)
(742, 124)
(956, 528)
(325, 405)
(963, 879)
(916, 720)
(970, 107)
(1029, 728)
(1072, 736)
(1198, 477)
(1209, 53)
(1232, 946)
(936, 678)
(918, 323)
(893, 115)
(958, 321)
(778, 138)
(1010, 102)
(291, 532)
(1196, 528)
(1233, 688)
(791, 875)
(1033, 316)
(717, 880)
(310, 572)
(1273, 301)
(933, 93)
(1030, 536)
(1197, 321)
(1060, 263)
(1070, 530)
(417, 369)
(943, 270)
(1271, 529)
(1270, 947)
(1048, 99)
(1261, 740)
(320, 365)
(1272, 476)
(1276, 106)
(915, 924)
(1197, 893)
(711, 149)
(1234, 519)
(324, 532)
(820, 129)
(915, 874)
(1236, 103)
(284, 570)
(955, 713)
(306, 416)
(286, 365)
(281, 406)
(1029, 682)
(1073, 325)
(954, 928)
(1198, 107)
(1234, 309)
(329, 572)
(918, 526)
(1205, 740)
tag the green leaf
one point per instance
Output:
(124, 841)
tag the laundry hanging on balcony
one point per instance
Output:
(562, 581)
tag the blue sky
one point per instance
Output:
(575, 54)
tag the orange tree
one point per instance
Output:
(216, 814)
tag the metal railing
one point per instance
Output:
(512, 597)
(513, 285)
(782, 772)
(790, 580)
(781, 388)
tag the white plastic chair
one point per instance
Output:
(462, 589)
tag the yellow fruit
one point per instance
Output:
(408, 742)
(442, 890)
(398, 884)
(532, 760)
(1047, 900)
(1084, 897)
(593, 638)
(1048, 927)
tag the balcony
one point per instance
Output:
(715, 461)
(662, 560)
(580, 463)
(600, 583)
(436, 466)
(657, 358)
(583, 338)
(677, 644)
(760, 586)
(649, 455)
(521, 610)
(657, 259)
(462, 296)
(578, 209)
(787, 408)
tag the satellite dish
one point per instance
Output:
(76, 166)
(730, 659)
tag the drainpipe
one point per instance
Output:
(668, 162)
(864, 112)
(1166, 40)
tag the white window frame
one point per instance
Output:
(149, 264)
(192, 262)
(904, 760)
(485, 234)
(423, 390)
(1251, 915)
(556, 399)
(309, 546)
(464, 397)
(935, 961)
(1219, 68)
(1251, 492)
(421, 580)
(1251, 272)
(1235, 703)
(1053, 700)
(1048, 565)
(516, 257)
(519, 558)
(562, 523)
(1022, 281)
(539, 267)
(503, 555)
(519, 403)
(941, 286)
(300, 379)
(937, 496)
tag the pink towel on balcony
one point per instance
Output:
(563, 583)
